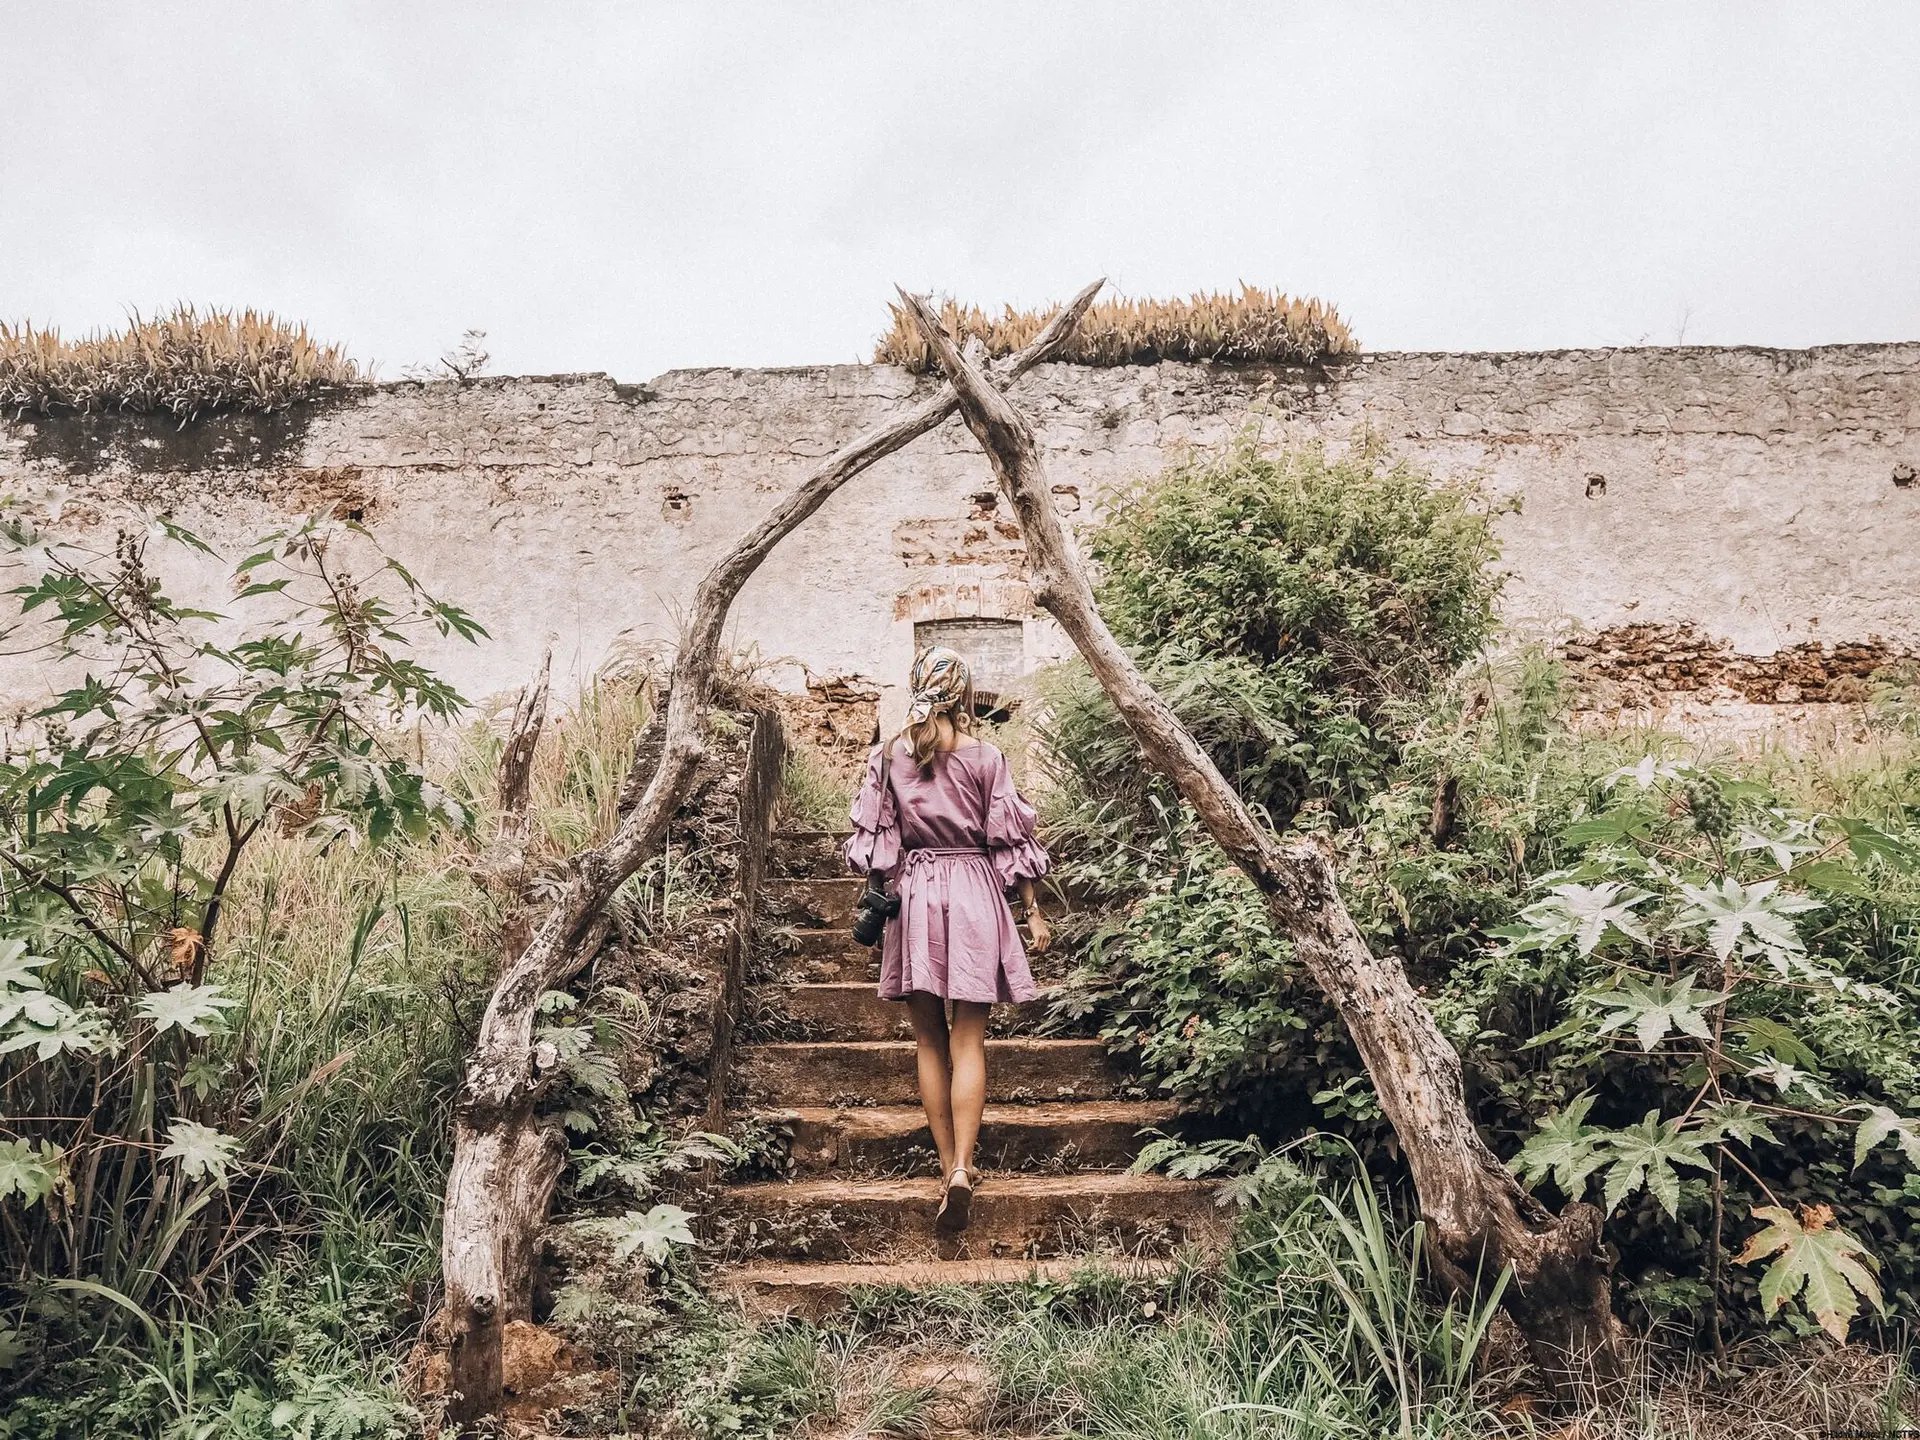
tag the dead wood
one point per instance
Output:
(507, 1158)
(1479, 1219)
(515, 781)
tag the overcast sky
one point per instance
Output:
(633, 187)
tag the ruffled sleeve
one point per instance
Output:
(1010, 841)
(875, 842)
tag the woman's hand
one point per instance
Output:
(1038, 928)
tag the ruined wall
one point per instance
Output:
(1763, 498)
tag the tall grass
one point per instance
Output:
(184, 363)
(573, 794)
(812, 796)
(360, 973)
(1322, 1325)
(1250, 326)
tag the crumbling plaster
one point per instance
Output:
(1747, 492)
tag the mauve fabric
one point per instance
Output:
(951, 841)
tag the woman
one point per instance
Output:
(951, 833)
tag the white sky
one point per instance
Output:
(632, 187)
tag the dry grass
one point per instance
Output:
(1252, 326)
(1814, 1389)
(185, 364)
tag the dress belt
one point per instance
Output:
(912, 859)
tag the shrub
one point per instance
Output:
(1250, 327)
(1705, 1013)
(1299, 612)
(1190, 982)
(1296, 610)
(186, 363)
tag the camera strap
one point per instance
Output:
(876, 882)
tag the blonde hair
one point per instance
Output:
(923, 736)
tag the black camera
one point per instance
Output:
(872, 911)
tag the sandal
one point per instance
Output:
(955, 1200)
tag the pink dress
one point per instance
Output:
(951, 842)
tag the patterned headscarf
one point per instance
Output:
(939, 678)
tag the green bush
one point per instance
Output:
(1299, 612)
(1190, 981)
(1310, 602)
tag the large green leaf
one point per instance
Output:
(1564, 1147)
(1754, 914)
(187, 1007)
(200, 1149)
(17, 967)
(1645, 1154)
(1658, 1008)
(30, 1171)
(654, 1233)
(1870, 842)
(46, 1025)
(1832, 877)
(1822, 1264)
(1734, 1120)
(1794, 837)
(1882, 1124)
(1584, 914)
(1649, 770)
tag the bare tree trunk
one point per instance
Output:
(523, 737)
(506, 866)
(506, 1159)
(1479, 1219)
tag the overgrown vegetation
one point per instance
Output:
(1248, 327)
(246, 920)
(229, 988)
(1683, 987)
(812, 795)
(245, 925)
(1316, 1323)
(185, 363)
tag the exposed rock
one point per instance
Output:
(1643, 666)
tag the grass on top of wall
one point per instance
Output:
(186, 363)
(1251, 326)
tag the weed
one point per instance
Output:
(1252, 326)
(812, 796)
(186, 363)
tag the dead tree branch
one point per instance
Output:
(523, 738)
(1479, 1218)
(506, 1158)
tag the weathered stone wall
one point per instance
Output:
(1763, 497)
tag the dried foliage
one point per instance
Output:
(1252, 326)
(185, 364)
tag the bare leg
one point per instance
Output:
(929, 1015)
(968, 1044)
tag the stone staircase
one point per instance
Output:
(827, 1062)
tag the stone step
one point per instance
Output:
(817, 1290)
(811, 942)
(1067, 1135)
(807, 854)
(828, 957)
(844, 1010)
(881, 1072)
(1023, 1216)
(853, 1010)
(822, 903)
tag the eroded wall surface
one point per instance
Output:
(1751, 501)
